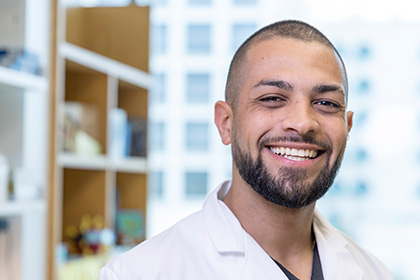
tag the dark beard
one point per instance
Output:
(289, 189)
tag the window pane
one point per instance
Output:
(157, 94)
(196, 184)
(363, 86)
(199, 2)
(157, 136)
(245, 2)
(364, 52)
(159, 39)
(198, 39)
(156, 183)
(198, 88)
(240, 33)
(197, 136)
(157, 2)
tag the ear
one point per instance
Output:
(223, 116)
(349, 121)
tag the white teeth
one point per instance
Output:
(295, 154)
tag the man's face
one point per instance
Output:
(290, 124)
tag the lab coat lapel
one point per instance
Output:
(336, 260)
(258, 264)
(229, 238)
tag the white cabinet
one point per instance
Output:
(24, 97)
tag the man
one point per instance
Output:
(286, 119)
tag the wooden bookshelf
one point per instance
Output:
(102, 62)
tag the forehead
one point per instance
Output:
(283, 56)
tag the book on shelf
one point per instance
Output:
(137, 136)
(79, 128)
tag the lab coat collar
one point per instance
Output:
(335, 257)
(228, 236)
(223, 227)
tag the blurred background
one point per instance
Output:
(106, 112)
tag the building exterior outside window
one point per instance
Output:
(157, 136)
(245, 2)
(159, 36)
(158, 89)
(196, 184)
(156, 184)
(198, 88)
(199, 2)
(198, 38)
(197, 136)
(241, 31)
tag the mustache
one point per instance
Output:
(306, 139)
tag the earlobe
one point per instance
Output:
(223, 120)
(349, 121)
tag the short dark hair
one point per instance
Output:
(292, 29)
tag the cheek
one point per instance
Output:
(250, 127)
(339, 139)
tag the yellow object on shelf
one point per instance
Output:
(84, 268)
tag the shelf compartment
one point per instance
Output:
(105, 65)
(84, 193)
(132, 195)
(99, 30)
(89, 88)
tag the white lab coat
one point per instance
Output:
(212, 245)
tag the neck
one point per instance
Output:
(285, 234)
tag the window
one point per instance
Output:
(361, 155)
(156, 183)
(240, 33)
(364, 52)
(418, 191)
(363, 86)
(196, 184)
(158, 39)
(199, 2)
(360, 118)
(245, 2)
(198, 39)
(105, 3)
(155, 3)
(361, 189)
(157, 136)
(336, 189)
(198, 88)
(157, 94)
(197, 136)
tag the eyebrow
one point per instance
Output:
(275, 83)
(323, 88)
(328, 88)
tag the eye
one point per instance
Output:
(272, 101)
(327, 106)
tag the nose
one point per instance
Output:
(301, 119)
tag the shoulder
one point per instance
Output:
(369, 263)
(338, 248)
(160, 252)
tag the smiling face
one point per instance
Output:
(289, 128)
